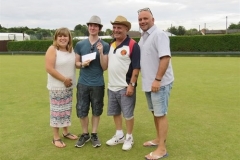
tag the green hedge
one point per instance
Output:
(213, 43)
(36, 46)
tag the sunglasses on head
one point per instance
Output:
(145, 9)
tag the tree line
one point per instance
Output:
(82, 30)
(180, 30)
(43, 34)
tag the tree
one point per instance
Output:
(30, 31)
(77, 33)
(45, 33)
(234, 26)
(101, 33)
(38, 35)
(80, 30)
(84, 30)
(108, 32)
(192, 31)
(173, 30)
(181, 30)
(3, 29)
(78, 27)
(18, 29)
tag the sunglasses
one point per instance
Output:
(92, 49)
(144, 9)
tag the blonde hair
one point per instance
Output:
(65, 32)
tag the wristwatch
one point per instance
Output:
(132, 84)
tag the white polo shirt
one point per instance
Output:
(121, 64)
(155, 45)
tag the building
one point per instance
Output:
(223, 31)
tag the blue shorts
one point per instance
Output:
(87, 95)
(158, 101)
(119, 103)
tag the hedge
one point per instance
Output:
(213, 43)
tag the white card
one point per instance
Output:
(90, 56)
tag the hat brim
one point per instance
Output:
(94, 23)
(126, 23)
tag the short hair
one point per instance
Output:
(145, 9)
(100, 27)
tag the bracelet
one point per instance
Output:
(65, 80)
(157, 79)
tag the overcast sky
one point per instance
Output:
(52, 14)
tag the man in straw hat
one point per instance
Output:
(90, 88)
(157, 78)
(123, 70)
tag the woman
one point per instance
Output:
(60, 65)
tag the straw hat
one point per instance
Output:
(122, 20)
(95, 20)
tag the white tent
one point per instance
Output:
(14, 36)
(169, 34)
(85, 37)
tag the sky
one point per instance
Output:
(53, 14)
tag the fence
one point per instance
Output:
(3, 45)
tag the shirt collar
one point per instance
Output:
(150, 30)
(125, 40)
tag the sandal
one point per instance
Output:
(70, 136)
(59, 140)
(155, 157)
(149, 144)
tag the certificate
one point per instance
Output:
(90, 56)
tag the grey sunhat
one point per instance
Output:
(95, 19)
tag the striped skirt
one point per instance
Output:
(60, 107)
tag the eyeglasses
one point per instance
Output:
(92, 49)
(144, 9)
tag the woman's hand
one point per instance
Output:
(68, 82)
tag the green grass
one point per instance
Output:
(204, 114)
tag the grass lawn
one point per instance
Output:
(204, 114)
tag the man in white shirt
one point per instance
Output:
(157, 78)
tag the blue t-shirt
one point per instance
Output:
(91, 75)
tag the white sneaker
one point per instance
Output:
(128, 143)
(115, 140)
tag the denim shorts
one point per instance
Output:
(119, 103)
(87, 95)
(158, 101)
